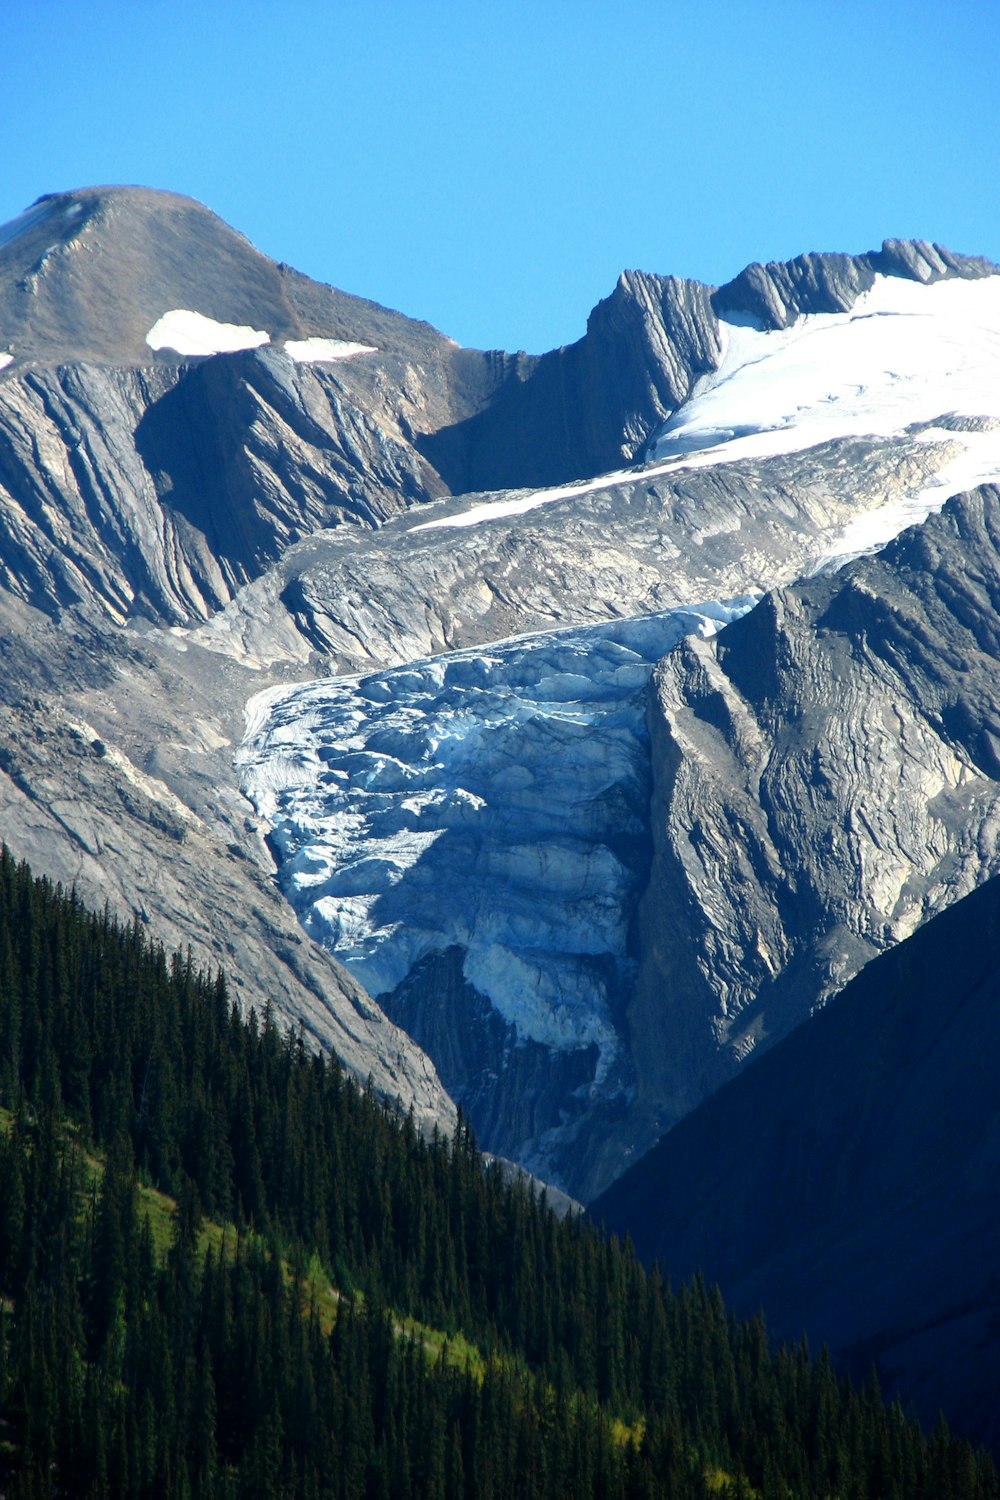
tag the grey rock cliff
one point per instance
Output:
(825, 779)
(649, 540)
(594, 405)
(781, 291)
(114, 779)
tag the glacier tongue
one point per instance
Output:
(492, 800)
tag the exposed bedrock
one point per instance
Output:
(826, 777)
(159, 492)
(180, 530)
(114, 779)
(468, 835)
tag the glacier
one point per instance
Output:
(469, 832)
(906, 354)
(490, 799)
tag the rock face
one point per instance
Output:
(846, 1181)
(153, 482)
(595, 404)
(666, 536)
(779, 292)
(825, 779)
(85, 276)
(141, 485)
(217, 476)
(591, 406)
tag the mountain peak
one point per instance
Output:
(86, 275)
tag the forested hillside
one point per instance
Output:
(216, 1360)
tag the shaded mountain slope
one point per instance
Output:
(364, 1313)
(846, 1181)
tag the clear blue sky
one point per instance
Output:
(493, 166)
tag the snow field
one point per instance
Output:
(904, 355)
(192, 333)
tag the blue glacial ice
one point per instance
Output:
(494, 799)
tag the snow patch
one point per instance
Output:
(189, 332)
(5, 360)
(317, 350)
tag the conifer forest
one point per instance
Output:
(226, 1270)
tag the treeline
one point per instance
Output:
(124, 1372)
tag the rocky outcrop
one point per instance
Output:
(826, 778)
(514, 1091)
(155, 482)
(595, 404)
(846, 1181)
(657, 538)
(180, 529)
(781, 291)
(590, 406)
(154, 493)
(85, 275)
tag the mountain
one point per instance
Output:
(846, 1180)
(140, 487)
(218, 478)
(470, 833)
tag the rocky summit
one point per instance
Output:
(363, 664)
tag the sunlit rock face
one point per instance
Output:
(473, 840)
(826, 777)
(473, 826)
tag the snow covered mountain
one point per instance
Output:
(217, 477)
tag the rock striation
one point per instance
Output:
(114, 780)
(468, 835)
(825, 778)
(596, 404)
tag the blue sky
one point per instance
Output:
(493, 167)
